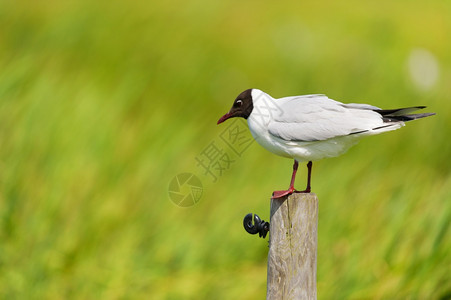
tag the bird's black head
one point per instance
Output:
(242, 107)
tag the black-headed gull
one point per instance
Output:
(312, 127)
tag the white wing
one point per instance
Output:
(317, 118)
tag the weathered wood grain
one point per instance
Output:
(293, 239)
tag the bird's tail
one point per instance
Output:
(402, 114)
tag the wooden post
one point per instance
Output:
(293, 241)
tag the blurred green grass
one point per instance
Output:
(102, 104)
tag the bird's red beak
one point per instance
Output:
(224, 117)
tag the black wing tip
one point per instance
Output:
(402, 114)
(398, 111)
(424, 115)
(406, 118)
(419, 116)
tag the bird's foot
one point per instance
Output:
(280, 194)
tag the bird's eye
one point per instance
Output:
(238, 103)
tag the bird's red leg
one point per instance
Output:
(280, 194)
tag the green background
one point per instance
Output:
(102, 103)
